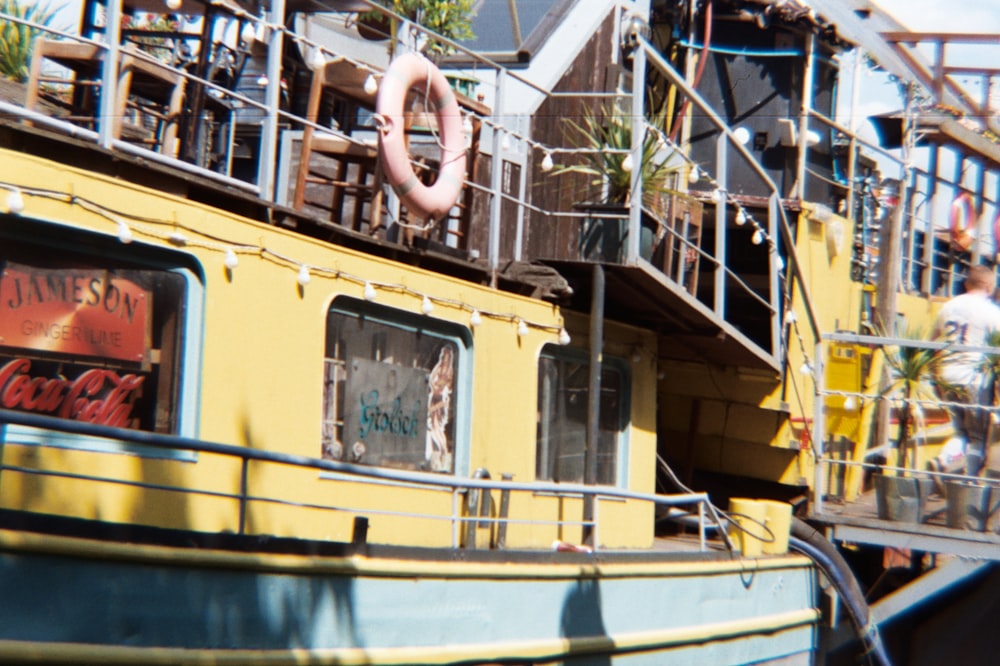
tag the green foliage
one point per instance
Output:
(605, 136)
(911, 380)
(448, 18)
(16, 39)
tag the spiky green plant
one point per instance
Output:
(16, 38)
(911, 381)
(605, 136)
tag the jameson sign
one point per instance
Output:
(83, 312)
(385, 413)
(94, 395)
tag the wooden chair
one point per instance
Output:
(145, 86)
(351, 167)
(681, 241)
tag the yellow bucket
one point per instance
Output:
(750, 517)
(778, 518)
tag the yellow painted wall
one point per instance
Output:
(261, 380)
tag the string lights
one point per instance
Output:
(151, 228)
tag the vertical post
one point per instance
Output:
(594, 395)
(819, 426)
(503, 513)
(807, 100)
(852, 154)
(272, 98)
(773, 202)
(933, 196)
(722, 168)
(244, 468)
(496, 184)
(109, 74)
(638, 139)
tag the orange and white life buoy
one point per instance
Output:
(415, 71)
(962, 220)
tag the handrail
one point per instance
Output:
(665, 68)
(361, 473)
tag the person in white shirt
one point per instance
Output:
(968, 319)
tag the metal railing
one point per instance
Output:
(471, 497)
(863, 405)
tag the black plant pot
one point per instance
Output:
(973, 506)
(901, 498)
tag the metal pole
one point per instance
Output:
(722, 167)
(109, 91)
(496, 184)
(269, 134)
(594, 396)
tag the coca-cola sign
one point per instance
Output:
(95, 395)
(82, 312)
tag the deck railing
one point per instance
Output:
(471, 497)
(855, 430)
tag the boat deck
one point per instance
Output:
(858, 522)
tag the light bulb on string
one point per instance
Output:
(231, 261)
(303, 277)
(850, 404)
(758, 237)
(475, 319)
(248, 33)
(177, 238)
(173, 5)
(426, 306)
(627, 163)
(695, 175)
(369, 291)
(547, 163)
(371, 85)
(467, 124)
(790, 317)
(564, 338)
(741, 218)
(318, 59)
(15, 201)
(805, 369)
(124, 233)
(522, 328)
(505, 142)
(779, 263)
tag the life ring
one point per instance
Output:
(962, 220)
(415, 71)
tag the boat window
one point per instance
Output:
(563, 396)
(391, 388)
(91, 337)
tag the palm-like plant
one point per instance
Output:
(606, 138)
(16, 38)
(911, 381)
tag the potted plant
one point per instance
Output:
(16, 38)
(448, 18)
(605, 137)
(910, 382)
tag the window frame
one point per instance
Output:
(410, 322)
(562, 354)
(96, 248)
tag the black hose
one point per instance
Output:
(810, 542)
